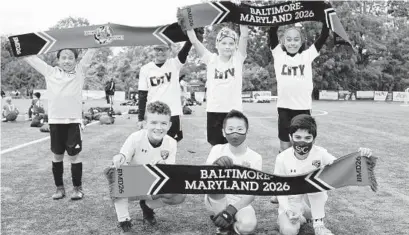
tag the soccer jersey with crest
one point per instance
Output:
(224, 82)
(249, 159)
(294, 78)
(162, 83)
(138, 150)
(64, 90)
(287, 165)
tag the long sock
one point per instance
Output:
(76, 173)
(58, 171)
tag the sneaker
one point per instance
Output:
(77, 193)
(223, 231)
(148, 214)
(274, 200)
(126, 227)
(60, 193)
(322, 230)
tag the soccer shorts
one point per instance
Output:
(284, 121)
(66, 137)
(175, 130)
(215, 128)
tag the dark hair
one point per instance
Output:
(37, 94)
(159, 108)
(71, 49)
(303, 122)
(236, 114)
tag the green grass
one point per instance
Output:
(27, 183)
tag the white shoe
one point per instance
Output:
(322, 230)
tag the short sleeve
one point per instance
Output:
(143, 80)
(213, 155)
(312, 53)
(258, 165)
(207, 57)
(128, 148)
(176, 63)
(279, 166)
(327, 158)
(172, 154)
(277, 50)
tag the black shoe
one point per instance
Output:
(126, 227)
(148, 214)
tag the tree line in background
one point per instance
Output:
(378, 30)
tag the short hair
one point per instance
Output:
(158, 107)
(8, 98)
(37, 94)
(71, 49)
(236, 114)
(303, 122)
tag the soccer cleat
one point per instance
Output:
(126, 227)
(223, 231)
(77, 193)
(60, 193)
(148, 214)
(322, 230)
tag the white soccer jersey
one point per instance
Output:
(294, 78)
(224, 82)
(138, 150)
(249, 159)
(64, 90)
(287, 164)
(162, 83)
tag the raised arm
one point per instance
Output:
(86, 60)
(244, 36)
(273, 37)
(183, 53)
(39, 65)
(322, 38)
(200, 48)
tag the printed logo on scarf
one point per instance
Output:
(103, 35)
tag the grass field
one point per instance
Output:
(27, 183)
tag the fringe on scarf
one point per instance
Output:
(371, 161)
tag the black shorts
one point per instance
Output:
(284, 121)
(215, 128)
(66, 137)
(175, 130)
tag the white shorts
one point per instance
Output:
(216, 206)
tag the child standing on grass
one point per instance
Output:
(292, 64)
(151, 145)
(302, 158)
(64, 88)
(224, 77)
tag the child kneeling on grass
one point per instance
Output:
(148, 146)
(302, 158)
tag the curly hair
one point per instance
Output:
(158, 107)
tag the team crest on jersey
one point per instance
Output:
(246, 164)
(104, 35)
(316, 163)
(164, 154)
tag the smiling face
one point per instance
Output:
(157, 126)
(67, 60)
(292, 41)
(226, 46)
(161, 54)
